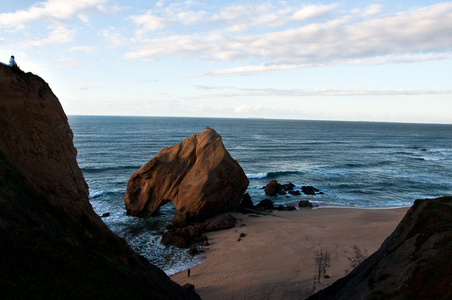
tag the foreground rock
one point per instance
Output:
(246, 202)
(198, 175)
(273, 188)
(225, 222)
(414, 262)
(184, 237)
(53, 245)
(305, 204)
(265, 204)
(310, 190)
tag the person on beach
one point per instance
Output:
(188, 272)
(12, 62)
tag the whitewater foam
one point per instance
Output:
(258, 175)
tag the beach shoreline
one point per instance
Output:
(289, 254)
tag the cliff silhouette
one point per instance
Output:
(414, 262)
(53, 244)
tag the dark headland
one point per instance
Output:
(53, 245)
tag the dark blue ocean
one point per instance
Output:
(353, 163)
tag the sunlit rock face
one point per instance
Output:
(198, 175)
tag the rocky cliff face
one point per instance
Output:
(53, 244)
(198, 175)
(414, 262)
(37, 140)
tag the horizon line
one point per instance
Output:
(261, 118)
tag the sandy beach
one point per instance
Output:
(289, 255)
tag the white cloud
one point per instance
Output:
(340, 38)
(181, 44)
(150, 22)
(372, 9)
(115, 37)
(52, 10)
(59, 35)
(272, 92)
(313, 11)
(252, 69)
(161, 17)
(382, 60)
(239, 18)
(233, 18)
(190, 17)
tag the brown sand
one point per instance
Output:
(289, 255)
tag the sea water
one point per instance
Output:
(358, 164)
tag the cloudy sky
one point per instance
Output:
(320, 60)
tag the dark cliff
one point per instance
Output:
(53, 245)
(414, 262)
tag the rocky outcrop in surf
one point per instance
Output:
(414, 262)
(53, 244)
(198, 176)
(273, 188)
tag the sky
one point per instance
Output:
(385, 61)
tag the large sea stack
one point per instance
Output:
(53, 245)
(414, 262)
(198, 175)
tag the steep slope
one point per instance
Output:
(414, 262)
(53, 244)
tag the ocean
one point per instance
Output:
(360, 164)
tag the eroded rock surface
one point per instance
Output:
(36, 138)
(198, 175)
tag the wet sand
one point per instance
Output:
(290, 254)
